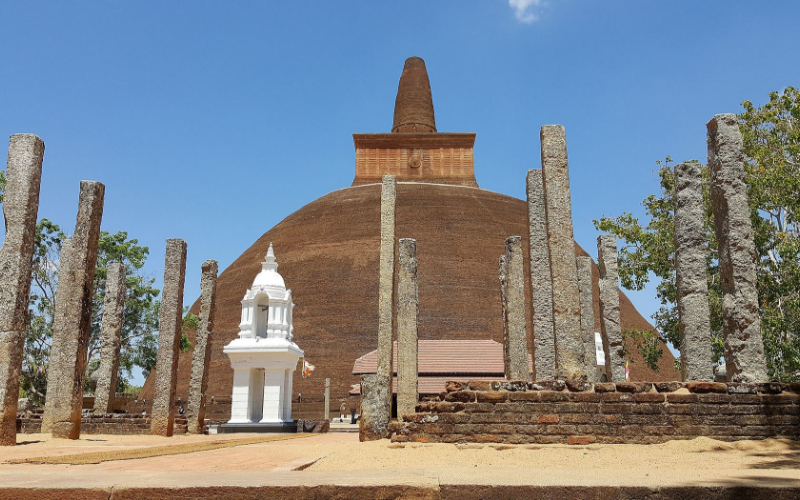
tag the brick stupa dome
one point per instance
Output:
(329, 258)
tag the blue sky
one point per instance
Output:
(212, 121)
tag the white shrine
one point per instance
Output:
(264, 357)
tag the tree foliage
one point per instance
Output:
(140, 313)
(771, 136)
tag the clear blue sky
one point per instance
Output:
(212, 121)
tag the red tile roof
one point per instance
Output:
(443, 360)
(428, 385)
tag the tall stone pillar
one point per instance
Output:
(587, 316)
(72, 318)
(386, 285)
(20, 208)
(741, 329)
(570, 362)
(516, 338)
(374, 421)
(610, 328)
(691, 278)
(110, 338)
(169, 338)
(201, 356)
(541, 283)
(407, 310)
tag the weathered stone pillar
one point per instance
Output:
(72, 318)
(386, 284)
(201, 356)
(503, 269)
(516, 338)
(541, 283)
(407, 310)
(691, 278)
(375, 414)
(169, 338)
(110, 338)
(741, 329)
(570, 362)
(610, 328)
(327, 398)
(20, 208)
(587, 316)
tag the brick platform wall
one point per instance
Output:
(630, 412)
(111, 423)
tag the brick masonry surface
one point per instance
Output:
(101, 423)
(623, 412)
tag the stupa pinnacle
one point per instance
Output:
(413, 107)
(415, 151)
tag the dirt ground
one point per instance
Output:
(340, 458)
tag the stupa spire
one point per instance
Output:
(413, 108)
(270, 263)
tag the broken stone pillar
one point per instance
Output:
(741, 329)
(407, 310)
(375, 413)
(201, 355)
(515, 341)
(386, 281)
(587, 316)
(169, 338)
(327, 399)
(20, 208)
(569, 349)
(72, 318)
(541, 284)
(691, 279)
(110, 338)
(610, 328)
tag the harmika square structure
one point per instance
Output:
(264, 357)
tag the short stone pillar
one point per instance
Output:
(585, 265)
(741, 328)
(610, 328)
(72, 318)
(201, 355)
(512, 283)
(20, 208)
(375, 407)
(407, 310)
(570, 361)
(386, 280)
(541, 283)
(691, 278)
(110, 338)
(169, 338)
(327, 399)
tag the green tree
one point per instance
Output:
(772, 147)
(2, 184)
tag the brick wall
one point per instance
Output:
(630, 412)
(111, 423)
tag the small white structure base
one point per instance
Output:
(264, 357)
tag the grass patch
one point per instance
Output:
(154, 451)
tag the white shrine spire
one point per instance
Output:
(270, 264)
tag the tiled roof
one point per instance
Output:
(427, 385)
(456, 357)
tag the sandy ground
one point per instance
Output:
(339, 458)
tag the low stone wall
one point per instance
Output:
(110, 423)
(624, 412)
